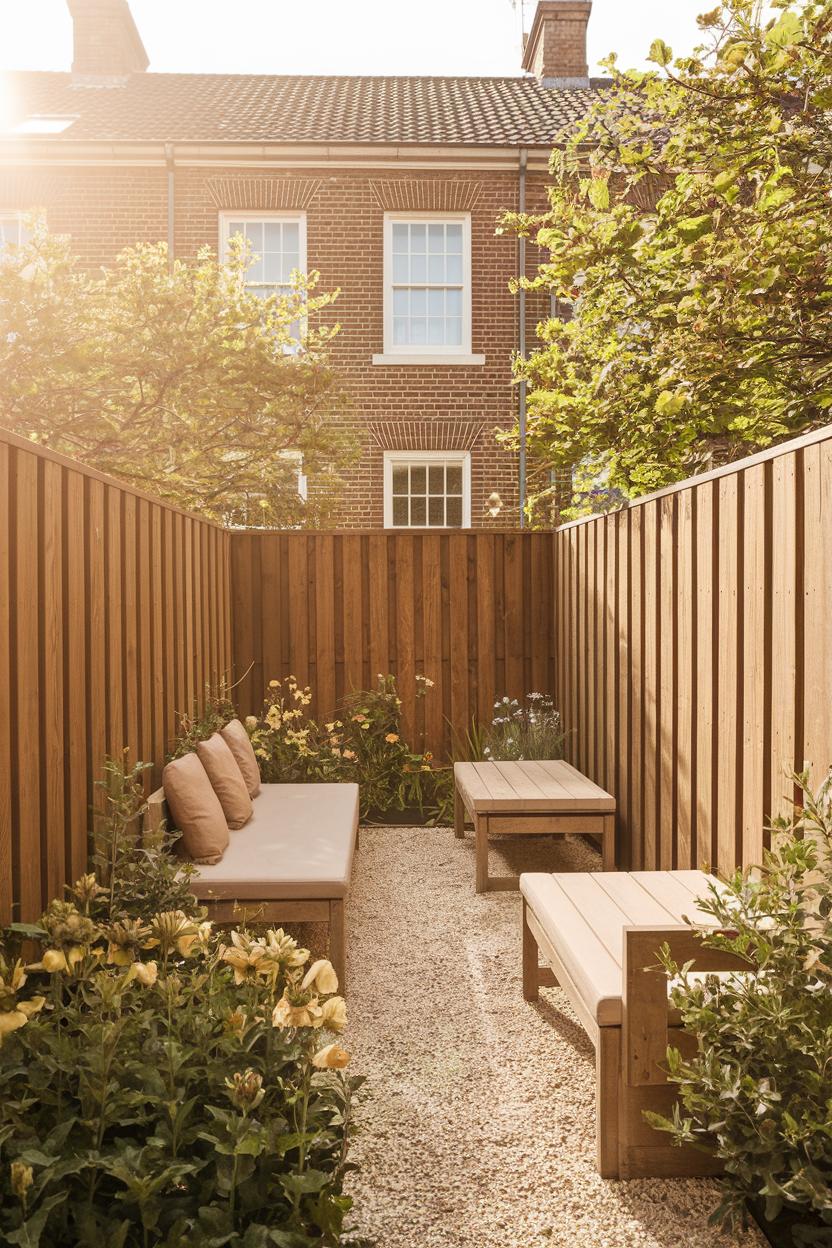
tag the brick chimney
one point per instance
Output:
(555, 50)
(107, 45)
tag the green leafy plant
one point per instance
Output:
(689, 230)
(364, 744)
(160, 1084)
(528, 730)
(759, 1088)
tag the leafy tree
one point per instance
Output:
(175, 379)
(690, 223)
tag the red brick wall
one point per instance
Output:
(391, 407)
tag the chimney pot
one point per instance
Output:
(107, 44)
(555, 51)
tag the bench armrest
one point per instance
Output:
(645, 1003)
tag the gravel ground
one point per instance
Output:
(477, 1118)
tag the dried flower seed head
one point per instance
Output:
(22, 1177)
(246, 1091)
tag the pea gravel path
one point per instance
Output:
(477, 1118)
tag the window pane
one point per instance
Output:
(400, 480)
(436, 479)
(418, 480)
(418, 302)
(453, 238)
(454, 513)
(256, 272)
(400, 325)
(453, 269)
(419, 332)
(436, 268)
(418, 512)
(418, 268)
(400, 238)
(236, 227)
(291, 236)
(401, 269)
(453, 332)
(273, 236)
(436, 332)
(436, 514)
(273, 267)
(436, 238)
(418, 238)
(401, 302)
(454, 478)
(436, 302)
(453, 303)
(400, 510)
(253, 231)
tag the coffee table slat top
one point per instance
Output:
(543, 787)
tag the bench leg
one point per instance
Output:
(607, 1090)
(608, 843)
(337, 946)
(531, 979)
(459, 815)
(481, 832)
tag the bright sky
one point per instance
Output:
(344, 36)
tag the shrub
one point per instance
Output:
(363, 744)
(529, 731)
(758, 1088)
(160, 1086)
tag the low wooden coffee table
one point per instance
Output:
(529, 798)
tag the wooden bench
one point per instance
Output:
(529, 798)
(599, 934)
(291, 863)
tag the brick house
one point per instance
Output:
(390, 187)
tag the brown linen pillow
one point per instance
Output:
(226, 779)
(239, 743)
(195, 809)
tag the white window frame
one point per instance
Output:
(394, 459)
(399, 354)
(16, 215)
(293, 218)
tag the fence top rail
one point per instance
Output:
(258, 532)
(76, 465)
(727, 470)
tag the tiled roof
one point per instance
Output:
(260, 108)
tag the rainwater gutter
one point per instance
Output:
(522, 341)
(171, 168)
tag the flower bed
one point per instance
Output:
(160, 1084)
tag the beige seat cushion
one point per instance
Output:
(299, 844)
(195, 809)
(239, 743)
(226, 779)
(584, 915)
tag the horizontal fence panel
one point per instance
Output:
(472, 611)
(722, 680)
(93, 578)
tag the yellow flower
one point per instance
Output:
(10, 1020)
(287, 1015)
(251, 721)
(22, 1179)
(334, 1014)
(145, 972)
(274, 684)
(332, 1057)
(350, 754)
(33, 1006)
(391, 738)
(322, 975)
(54, 960)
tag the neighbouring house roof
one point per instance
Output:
(263, 108)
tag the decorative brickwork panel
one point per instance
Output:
(425, 195)
(266, 193)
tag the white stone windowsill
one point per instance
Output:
(440, 359)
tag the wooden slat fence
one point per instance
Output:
(473, 611)
(694, 653)
(114, 616)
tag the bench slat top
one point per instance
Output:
(534, 786)
(583, 914)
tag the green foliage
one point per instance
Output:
(363, 745)
(528, 731)
(690, 225)
(175, 379)
(158, 1086)
(758, 1089)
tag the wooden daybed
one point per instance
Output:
(599, 934)
(291, 863)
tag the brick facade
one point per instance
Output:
(391, 407)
